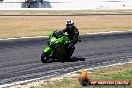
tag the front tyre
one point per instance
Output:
(44, 57)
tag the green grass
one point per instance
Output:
(113, 72)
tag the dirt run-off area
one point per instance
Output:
(28, 26)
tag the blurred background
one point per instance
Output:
(66, 4)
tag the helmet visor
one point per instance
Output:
(69, 25)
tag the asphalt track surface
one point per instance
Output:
(20, 58)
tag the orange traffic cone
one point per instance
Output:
(84, 73)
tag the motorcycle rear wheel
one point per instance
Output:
(71, 51)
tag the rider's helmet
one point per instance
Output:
(69, 24)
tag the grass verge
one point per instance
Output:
(28, 26)
(68, 12)
(113, 72)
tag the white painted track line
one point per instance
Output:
(97, 33)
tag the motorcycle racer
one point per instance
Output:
(72, 32)
(61, 45)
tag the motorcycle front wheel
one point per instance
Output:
(44, 57)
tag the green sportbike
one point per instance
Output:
(57, 48)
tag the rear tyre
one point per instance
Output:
(71, 51)
(44, 57)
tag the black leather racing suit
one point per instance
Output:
(73, 35)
